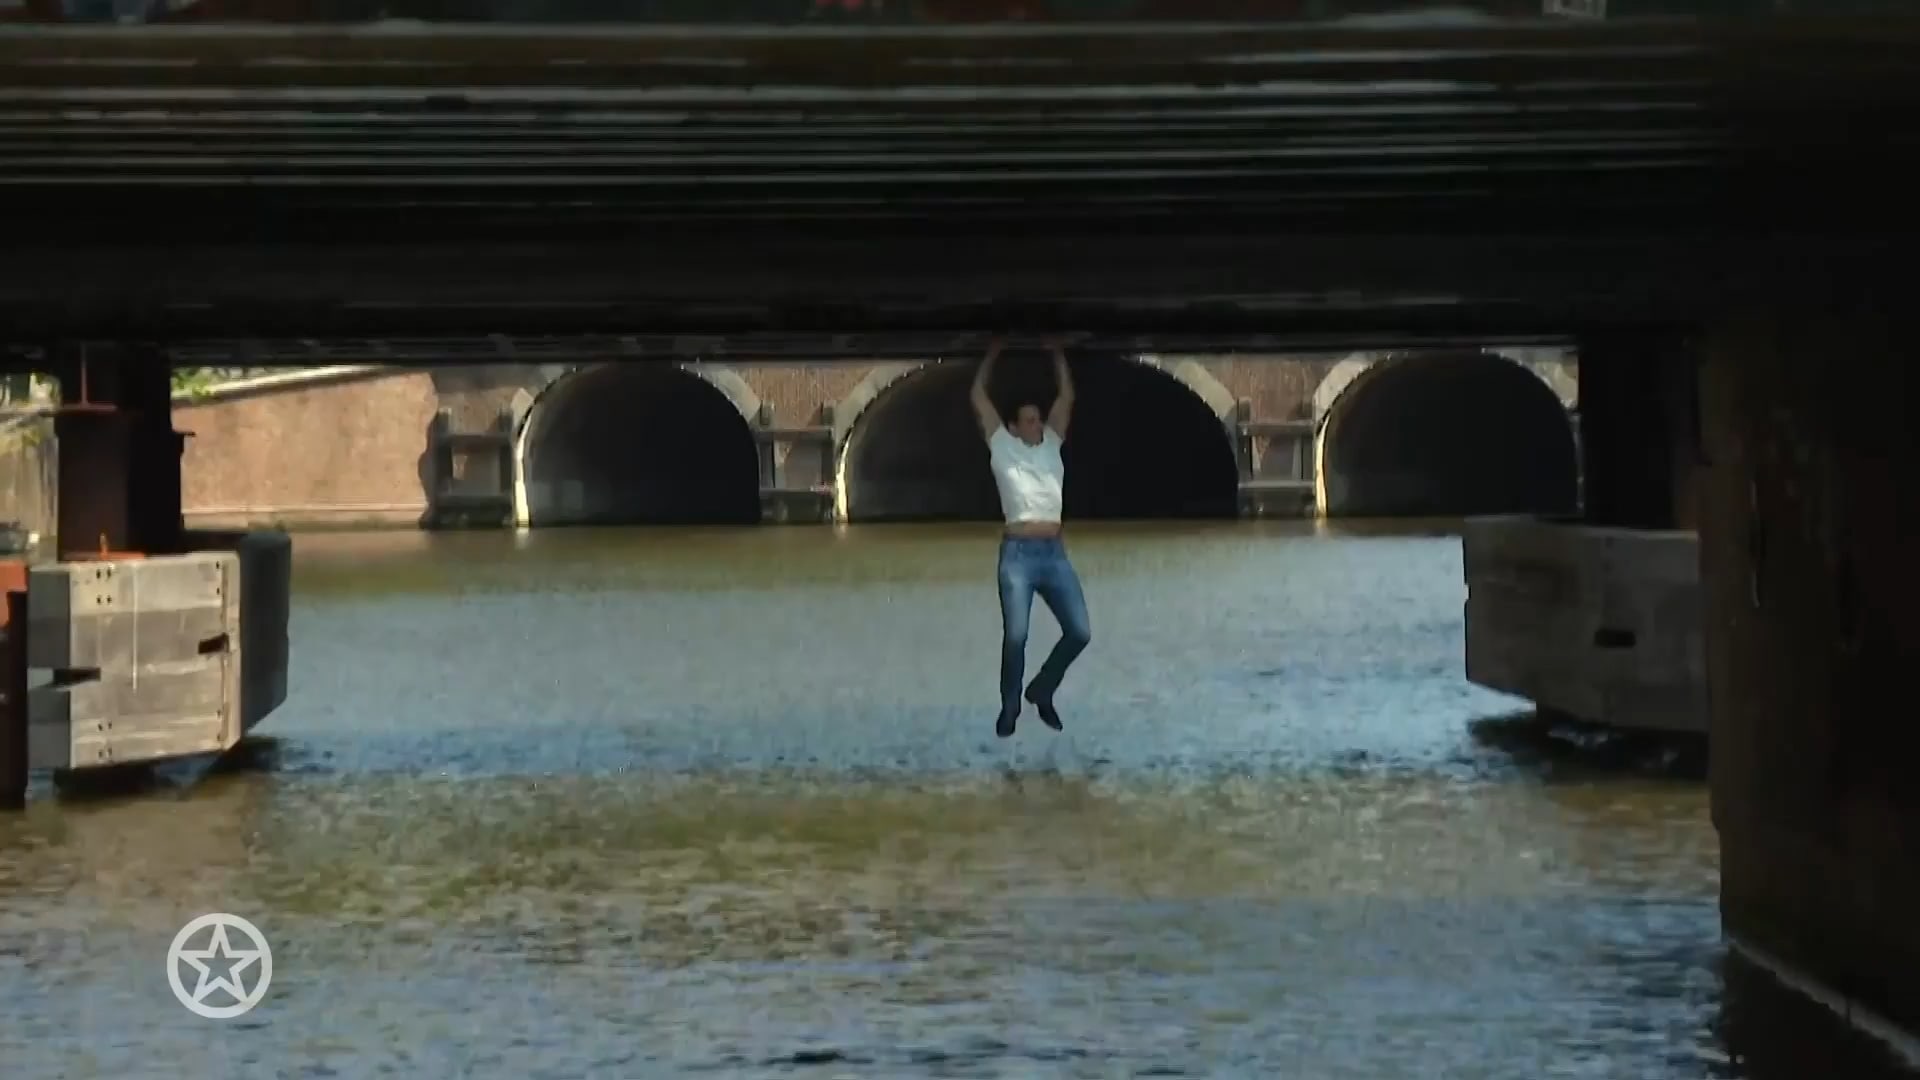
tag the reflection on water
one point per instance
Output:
(728, 802)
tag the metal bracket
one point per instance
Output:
(86, 405)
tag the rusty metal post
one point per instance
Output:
(13, 693)
(155, 498)
(119, 455)
(95, 458)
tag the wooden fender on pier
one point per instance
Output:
(156, 657)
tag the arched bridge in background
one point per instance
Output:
(1455, 433)
(627, 444)
(1388, 435)
(706, 442)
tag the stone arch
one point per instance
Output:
(1444, 434)
(1150, 439)
(1193, 375)
(1550, 366)
(1555, 367)
(638, 443)
(731, 384)
(848, 410)
(1341, 376)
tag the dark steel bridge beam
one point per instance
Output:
(1164, 181)
(269, 127)
(1222, 288)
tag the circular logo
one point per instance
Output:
(220, 968)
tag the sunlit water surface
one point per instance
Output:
(637, 804)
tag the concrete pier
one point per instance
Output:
(1597, 623)
(1807, 506)
(138, 640)
(1597, 616)
(1781, 622)
(149, 658)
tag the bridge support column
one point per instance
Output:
(1639, 430)
(119, 472)
(1597, 619)
(168, 643)
(1812, 433)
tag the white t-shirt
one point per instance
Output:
(1030, 478)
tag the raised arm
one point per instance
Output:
(990, 421)
(1062, 412)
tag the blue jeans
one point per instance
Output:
(1038, 565)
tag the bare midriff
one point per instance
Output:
(1033, 530)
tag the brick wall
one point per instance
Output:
(350, 451)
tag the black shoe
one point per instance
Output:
(1004, 726)
(1049, 715)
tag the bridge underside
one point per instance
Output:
(785, 189)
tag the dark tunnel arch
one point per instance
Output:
(1446, 435)
(1142, 445)
(638, 444)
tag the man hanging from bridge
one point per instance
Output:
(1027, 468)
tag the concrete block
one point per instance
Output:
(260, 608)
(158, 657)
(112, 615)
(49, 736)
(155, 711)
(1602, 624)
